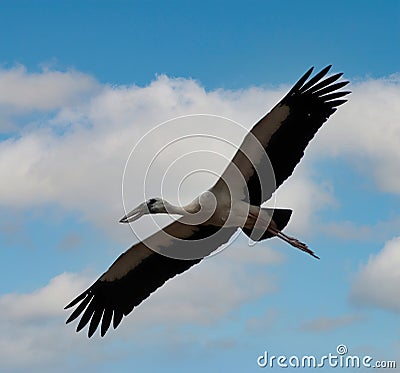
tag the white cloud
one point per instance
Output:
(44, 303)
(366, 131)
(242, 252)
(34, 333)
(81, 168)
(210, 291)
(41, 165)
(305, 197)
(376, 283)
(204, 296)
(32, 325)
(21, 91)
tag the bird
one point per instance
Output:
(267, 157)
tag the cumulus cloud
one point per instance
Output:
(32, 325)
(305, 197)
(75, 156)
(366, 131)
(202, 296)
(376, 283)
(44, 303)
(211, 290)
(205, 296)
(41, 167)
(22, 91)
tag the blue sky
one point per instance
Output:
(82, 81)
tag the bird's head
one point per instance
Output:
(151, 206)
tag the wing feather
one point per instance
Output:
(283, 135)
(316, 78)
(137, 273)
(332, 96)
(106, 321)
(330, 88)
(95, 320)
(86, 296)
(322, 84)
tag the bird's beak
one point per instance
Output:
(135, 214)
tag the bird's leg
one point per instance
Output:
(292, 241)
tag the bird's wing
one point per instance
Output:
(281, 136)
(141, 270)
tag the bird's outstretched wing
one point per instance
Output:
(281, 136)
(141, 270)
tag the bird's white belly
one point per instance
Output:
(231, 214)
(240, 215)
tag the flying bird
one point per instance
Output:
(265, 159)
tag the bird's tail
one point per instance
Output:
(281, 218)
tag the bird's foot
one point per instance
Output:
(301, 246)
(291, 240)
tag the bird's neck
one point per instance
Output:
(168, 208)
(180, 210)
(172, 209)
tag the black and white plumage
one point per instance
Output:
(282, 136)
